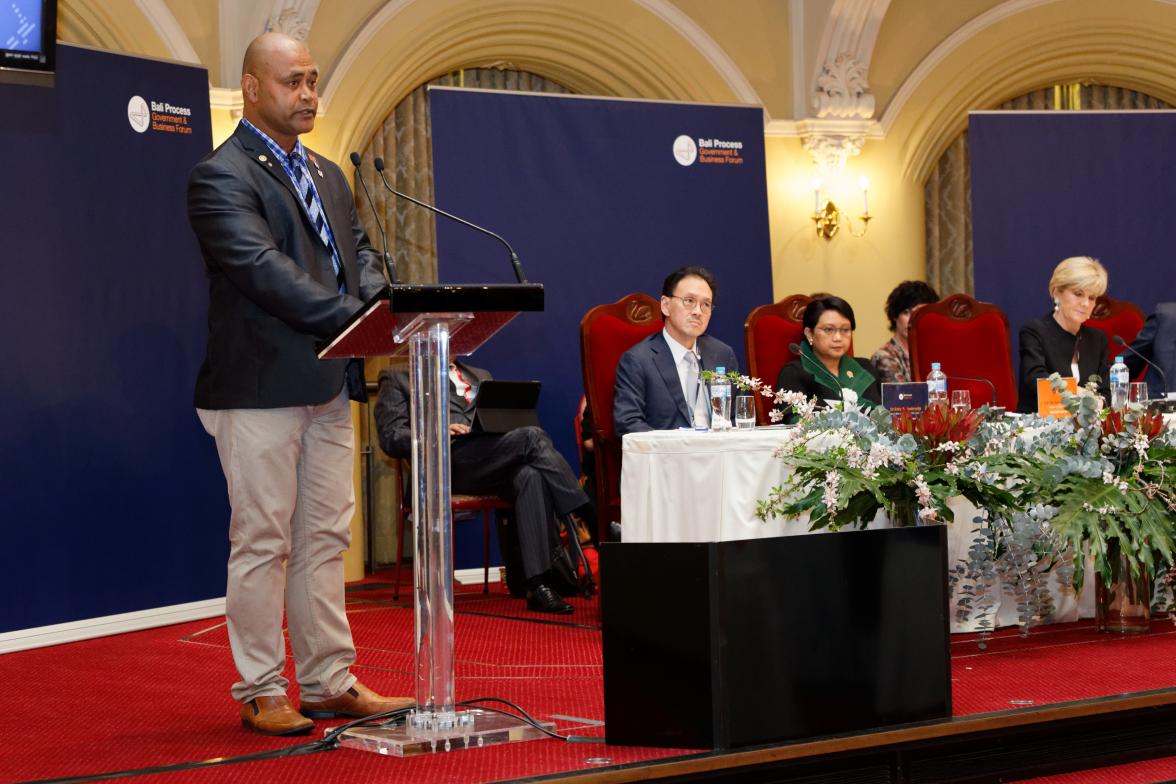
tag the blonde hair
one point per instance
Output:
(1080, 273)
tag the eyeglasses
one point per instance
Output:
(831, 331)
(690, 302)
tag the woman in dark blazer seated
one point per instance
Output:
(1058, 342)
(824, 371)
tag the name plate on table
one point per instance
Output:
(905, 396)
(1049, 402)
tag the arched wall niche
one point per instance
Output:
(1013, 57)
(611, 48)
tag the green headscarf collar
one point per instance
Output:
(850, 373)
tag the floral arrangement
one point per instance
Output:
(1106, 478)
(848, 465)
(1049, 491)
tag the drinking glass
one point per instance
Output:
(744, 412)
(1137, 392)
(961, 400)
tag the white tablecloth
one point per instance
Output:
(690, 486)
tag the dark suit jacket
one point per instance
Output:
(794, 378)
(271, 284)
(1157, 342)
(648, 393)
(1047, 348)
(392, 408)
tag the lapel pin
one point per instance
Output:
(262, 158)
(849, 373)
(314, 160)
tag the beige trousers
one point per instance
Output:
(289, 475)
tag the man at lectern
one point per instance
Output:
(288, 263)
(658, 380)
(521, 465)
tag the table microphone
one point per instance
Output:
(514, 257)
(389, 267)
(1120, 342)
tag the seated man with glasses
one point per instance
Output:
(659, 386)
(825, 370)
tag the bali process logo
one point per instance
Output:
(138, 114)
(687, 151)
(159, 116)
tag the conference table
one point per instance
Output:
(701, 486)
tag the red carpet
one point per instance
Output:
(161, 696)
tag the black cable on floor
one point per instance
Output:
(329, 742)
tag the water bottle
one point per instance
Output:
(936, 385)
(720, 399)
(1120, 383)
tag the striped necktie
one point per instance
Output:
(314, 211)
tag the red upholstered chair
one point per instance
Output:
(767, 333)
(967, 338)
(464, 506)
(1117, 317)
(606, 333)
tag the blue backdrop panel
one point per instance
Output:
(111, 496)
(591, 196)
(1055, 184)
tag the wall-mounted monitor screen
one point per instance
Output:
(28, 41)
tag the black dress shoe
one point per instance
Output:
(543, 599)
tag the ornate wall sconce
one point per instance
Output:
(828, 218)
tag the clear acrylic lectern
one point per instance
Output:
(430, 322)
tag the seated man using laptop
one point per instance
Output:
(521, 466)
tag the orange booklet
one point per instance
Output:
(1049, 402)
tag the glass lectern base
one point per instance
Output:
(476, 729)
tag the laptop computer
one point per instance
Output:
(502, 406)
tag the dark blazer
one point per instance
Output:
(794, 378)
(648, 394)
(1047, 348)
(1157, 342)
(271, 285)
(392, 407)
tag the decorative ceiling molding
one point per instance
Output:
(356, 48)
(851, 29)
(832, 142)
(843, 90)
(964, 33)
(169, 30)
(293, 17)
(682, 24)
(839, 94)
(706, 46)
(1119, 49)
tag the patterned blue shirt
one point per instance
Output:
(297, 158)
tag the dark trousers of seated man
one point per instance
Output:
(522, 467)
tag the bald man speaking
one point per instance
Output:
(288, 263)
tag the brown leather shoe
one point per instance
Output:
(357, 701)
(274, 716)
